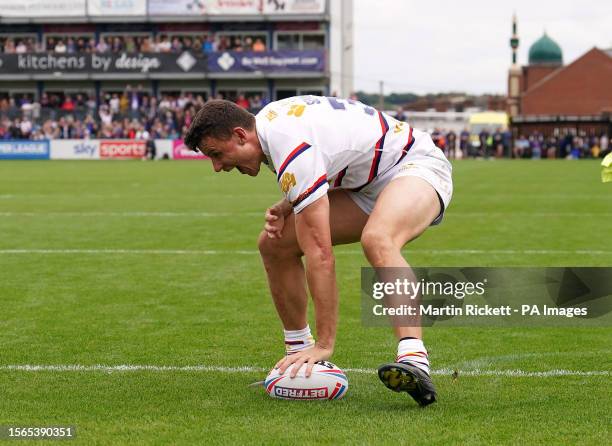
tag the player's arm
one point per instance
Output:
(314, 237)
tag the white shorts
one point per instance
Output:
(425, 161)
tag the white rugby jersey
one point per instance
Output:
(314, 143)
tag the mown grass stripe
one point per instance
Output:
(249, 369)
(340, 252)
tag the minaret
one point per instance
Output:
(514, 40)
(514, 74)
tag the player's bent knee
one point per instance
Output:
(265, 245)
(378, 246)
(276, 248)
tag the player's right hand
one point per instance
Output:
(275, 221)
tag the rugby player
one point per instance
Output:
(348, 173)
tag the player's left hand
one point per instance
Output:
(308, 356)
(275, 221)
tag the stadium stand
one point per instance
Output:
(92, 76)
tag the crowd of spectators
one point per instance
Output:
(130, 114)
(162, 43)
(135, 113)
(569, 143)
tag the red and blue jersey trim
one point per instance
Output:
(406, 148)
(308, 192)
(293, 155)
(378, 151)
(338, 181)
(379, 147)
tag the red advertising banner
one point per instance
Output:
(122, 149)
(181, 152)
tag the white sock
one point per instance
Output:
(414, 352)
(298, 340)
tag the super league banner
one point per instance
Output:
(267, 61)
(24, 150)
(103, 63)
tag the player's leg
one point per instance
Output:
(404, 209)
(282, 259)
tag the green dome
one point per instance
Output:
(545, 51)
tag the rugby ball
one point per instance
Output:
(326, 382)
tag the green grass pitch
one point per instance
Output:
(134, 263)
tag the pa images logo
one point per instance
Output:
(287, 182)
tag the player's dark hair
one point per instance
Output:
(216, 119)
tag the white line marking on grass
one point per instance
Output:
(531, 214)
(523, 373)
(340, 252)
(249, 369)
(128, 368)
(133, 214)
(129, 251)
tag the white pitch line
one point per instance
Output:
(250, 369)
(133, 214)
(130, 251)
(340, 252)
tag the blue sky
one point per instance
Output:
(435, 46)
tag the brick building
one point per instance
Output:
(552, 98)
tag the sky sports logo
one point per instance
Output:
(122, 149)
(301, 394)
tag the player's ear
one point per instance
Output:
(241, 134)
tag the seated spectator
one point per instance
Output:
(130, 45)
(146, 45)
(223, 44)
(164, 46)
(60, 47)
(21, 47)
(9, 46)
(208, 45)
(116, 45)
(70, 46)
(81, 45)
(176, 45)
(237, 44)
(102, 46)
(259, 45)
(255, 103)
(68, 105)
(242, 102)
(26, 128)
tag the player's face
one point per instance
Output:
(237, 152)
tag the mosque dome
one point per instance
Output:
(545, 51)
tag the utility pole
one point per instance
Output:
(381, 95)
